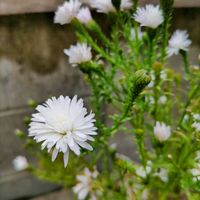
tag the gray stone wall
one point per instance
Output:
(33, 66)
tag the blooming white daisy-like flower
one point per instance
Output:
(126, 4)
(20, 163)
(84, 15)
(178, 41)
(67, 12)
(62, 124)
(102, 6)
(78, 53)
(83, 188)
(162, 132)
(149, 16)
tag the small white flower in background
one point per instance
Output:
(79, 53)
(67, 12)
(162, 132)
(83, 187)
(126, 4)
(84, 15)
(196, 125)
(162, 174)
(186, 118)
(143, 172)
(163, 74)
(162, 99)
(196, 117)
(178, 41)
(198, 156)
(63, 124)
(139, 33)
(149, 16)
(196, 173)
(103, 6)
(20, 163)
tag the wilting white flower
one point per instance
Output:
(162, 174)
(62, 124)
(83, 188)
(178, 41)
(20, 163)
(103, 6)
(149, 16)
(67, 12)
(84, 15)
(143, 172)
(139, 33)
(162, 99)
(78, 53)
(162, 132)
(126, 4)
(196, 125)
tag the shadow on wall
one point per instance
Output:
(32, 42)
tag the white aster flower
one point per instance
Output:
(162, 99)
(143, 172)
(78, 54)
(178, 41)
(63, 124)
(162, 174)
(67, 12)
(83, 188)
(196, 173)
(196, 125)
(103, 6)
(149, 16)
(84, 15)
(126, 4)
(20, 163)
(196, 116)
(162, 132)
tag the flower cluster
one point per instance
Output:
(134, 92)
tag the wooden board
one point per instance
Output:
(8, 7)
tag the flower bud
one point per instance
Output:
(162, 132)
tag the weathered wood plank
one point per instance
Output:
(177, 3)
(8, 7)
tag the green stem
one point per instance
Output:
(186, 62)
(191, 96)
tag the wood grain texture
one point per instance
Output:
(8, 7)
(177, 3)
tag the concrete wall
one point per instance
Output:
(32, 65)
